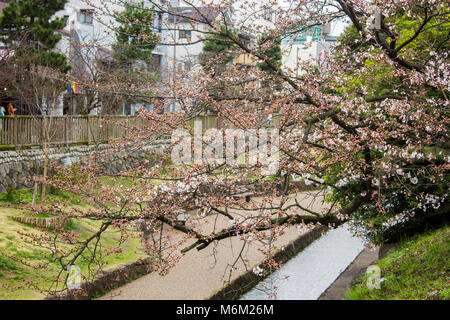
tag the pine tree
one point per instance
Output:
(27, 27)
(217, 47)
(272, 51)
(135, 39)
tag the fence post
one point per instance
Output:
(88, 130)
(42, 131)
(65, 131)
(16, 131)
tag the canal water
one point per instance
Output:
(313, 270)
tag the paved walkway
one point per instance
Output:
(199, 274)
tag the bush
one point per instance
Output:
(16, 196)
(19, 196)
(402, 205)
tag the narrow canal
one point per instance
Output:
(312, 271)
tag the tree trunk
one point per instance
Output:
(33, 201)
(46, 157)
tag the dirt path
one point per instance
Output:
(201, 273)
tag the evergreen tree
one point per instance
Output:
(27, 27)
(135, 39)
(217, 46)
(272, 51)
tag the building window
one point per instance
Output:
(188, 65)
(268, 12)
(86, 16)
(185, 34)
(66, 19)
(155, 64)
(159, 22)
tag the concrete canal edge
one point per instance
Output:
(124, 274)
(338, 289)
(246, 282)
(366, 258)
(116, 278)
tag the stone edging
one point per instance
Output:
(18, 167)
(45, 223)
(244, 283)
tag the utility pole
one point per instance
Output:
(175, 55)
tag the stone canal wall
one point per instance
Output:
(18, 167)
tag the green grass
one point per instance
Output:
(19, 196)
(417, 269)
(14, 248)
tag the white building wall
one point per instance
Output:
(184, 54)
(99, 32)
(297, 52)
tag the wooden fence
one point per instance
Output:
(28, 131)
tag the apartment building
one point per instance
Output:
(87, 41)
(305, 45)
(89, 35)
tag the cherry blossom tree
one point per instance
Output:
(365, 125)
